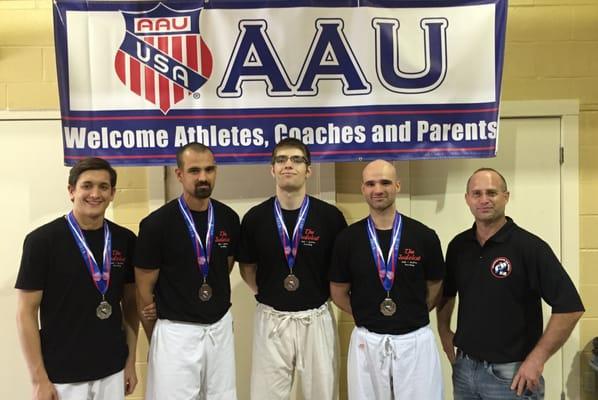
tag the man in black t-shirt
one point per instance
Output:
(387, 273)
(185, 253)
(76, 272)
(286, 244)
(501, 272)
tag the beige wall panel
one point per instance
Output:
(534, 24)
(565, 59)
(26, 27)
(589, 268)
(130, 206)
(520, 61)
(2, 96)
(588, 127)
(588, 232)
(132, 178)
(21, 64)
(589, 294)
(49, 64)
(588, 330)
(32, 96)
(588, 198)
(584, 22)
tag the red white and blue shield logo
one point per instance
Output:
(162, 57)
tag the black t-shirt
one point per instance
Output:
(260, 244)
(500, 286)
(164, 243)
(76, 345)
(420, 260)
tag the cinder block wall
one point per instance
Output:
(551, 53)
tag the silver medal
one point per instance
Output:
(388, 307)
(104, 310)
(291, 283)
(205, 292)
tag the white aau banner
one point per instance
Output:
(383, 79)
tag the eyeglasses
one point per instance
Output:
(294, 159)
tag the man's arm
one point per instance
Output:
(444, 312)
(339, 292)
(248, 273)
(433, 293)
(555, 335)
(231, 263)
(28, 302)
(131, 325)
(146, 281)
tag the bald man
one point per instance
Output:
(387, 272)
(501, 272)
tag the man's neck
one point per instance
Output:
(383, 219)
(485, 230)
(89, 223)
(196, 204)
(290, 200)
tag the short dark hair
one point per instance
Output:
(91, 164)
(195, 146)
(487, 169)
(292, 143)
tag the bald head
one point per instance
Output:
(377, 169)
(380, 186)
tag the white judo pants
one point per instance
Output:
(305, 341)
(394, 367)
(189, 361)
(111, 387)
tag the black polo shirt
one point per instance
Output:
(500, 286)
(420, 260)
(76, 345)
(260, 244)
(164, 243)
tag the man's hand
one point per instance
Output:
(44, 390)
(130, 378)
(150, 312)
(446, 339)
(528, 376)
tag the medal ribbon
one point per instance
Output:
(202, 254)
(290, 246)
(386, 267)
(101, 278)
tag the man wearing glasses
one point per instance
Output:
(285, 250)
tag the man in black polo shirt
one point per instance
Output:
(184, 256)
(501, 272)
(76, 272)
(387, 272)
(286, 244)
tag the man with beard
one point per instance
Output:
(387, 272)
(286, 243)
(77, 276)
(184, 256)
(501, 272)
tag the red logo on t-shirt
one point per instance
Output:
(222, 239)
(118, 260)
(408, 258)
(501, 267)
(309, 237)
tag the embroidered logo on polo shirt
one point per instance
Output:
(118, 260)
(222, 239)
(408, 258)
(501, 267)
(309, 237)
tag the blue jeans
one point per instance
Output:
(481, 380)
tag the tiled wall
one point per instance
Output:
(551, 53)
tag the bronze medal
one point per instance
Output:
(205, 292)
(104, 310)
(388, 307)
(291, 283)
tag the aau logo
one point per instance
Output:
(163, 58)
(501, 267)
